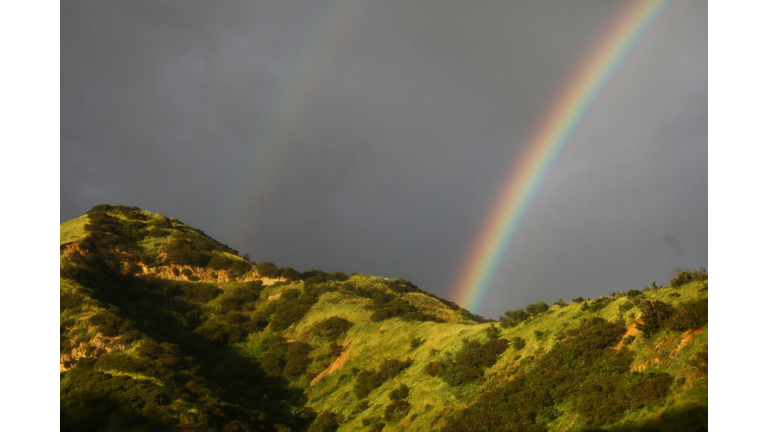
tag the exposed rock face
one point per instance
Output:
(98, 343)
(184, 273)
(70, 248)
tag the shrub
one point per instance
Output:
(436, 368)
(368, 380)
(647, 388)
(682, 277)
(399, 393)
(469, 362)
(334, 350)
(700, 362)
(200, 293)
(634, 293)
(536, 308)
(518, 343)
(327, 421)
(416, 342)
(654, 314)
(584, 364)
(492, 332)
(267, 269)
(297, 359)
(513, 318)
(397, 410)
(689, 315)
(109, 325)
(330, 328)
(219, 263)
(578, 299)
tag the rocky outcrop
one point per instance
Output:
(183, 273)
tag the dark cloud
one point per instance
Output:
(400, 121)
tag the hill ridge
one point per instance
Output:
(180, 351)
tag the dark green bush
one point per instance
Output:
(634, 293)
(297, 359)
(654, 314)
(327, 421)
(220, 262)
(416, 342)
(109, 325)
(537, 308)
(689, 315)
(469, 362)
(69, 301)
(596, 305)
(584, 364)
(267, 269)
(399, 393)
(200, 293)
(368, 380)
(330, 328)
(647, 388)
(396, 410)
(492, 332)
(518, 343)
(397, 308)
(513, 318)
(683, 277)
(700, 362)
(334, 350)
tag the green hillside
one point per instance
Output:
(163, 328)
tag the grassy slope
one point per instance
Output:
(431, 399)
(73, 230)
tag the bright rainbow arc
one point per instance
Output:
(548, 140)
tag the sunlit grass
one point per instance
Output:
(73, 230)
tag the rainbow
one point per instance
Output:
(265, 155)
(474, 281)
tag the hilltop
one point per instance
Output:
(164, 328)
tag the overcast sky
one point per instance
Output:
(373, 137)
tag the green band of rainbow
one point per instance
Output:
(549, 138)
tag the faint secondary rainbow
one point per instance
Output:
(547, 141)
(265, 156)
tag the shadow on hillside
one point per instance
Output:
(692, 419)
(156, 310)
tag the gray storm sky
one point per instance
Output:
(373, 137)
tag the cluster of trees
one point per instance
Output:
(330, 328)
(685, 316)
(583, 371)
(368, 380)
(293, 304)
(683, 277)
(469, 363)
(515, 317)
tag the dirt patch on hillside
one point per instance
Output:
(631, 331)
(333, 367)
(685, 338)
